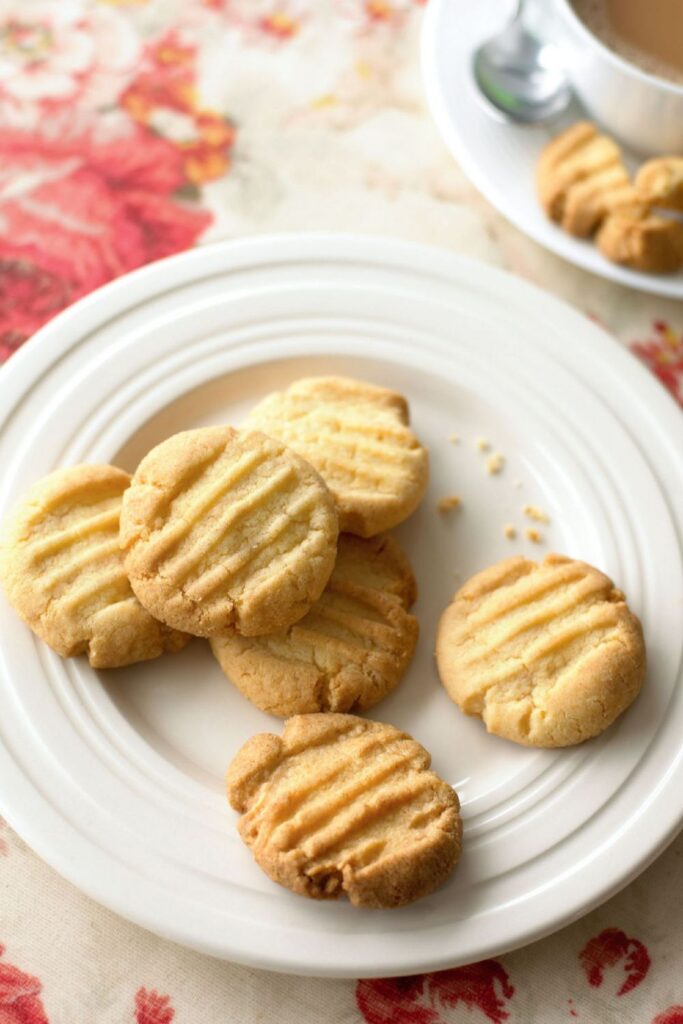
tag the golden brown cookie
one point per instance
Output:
(357, 437)
(547, 653)
(581, 178)
(659, 182)
(224, 528)
(642, 241)
(348, 652)
(62, 570)
(339, 805)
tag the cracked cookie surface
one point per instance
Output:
(348, 652)
(342, 805)
(62, 569)
(227, 529)
(547, 653)
(357, 437)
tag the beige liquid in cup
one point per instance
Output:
(648, 33)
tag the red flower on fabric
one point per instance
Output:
(164, 97)
(664, 355)
(19, 992)
(379, 10)
(265, 21)
(151, 1008)
(81, 211)
(609, 948)
(674, 1015)
(279, 23)
(484, 986)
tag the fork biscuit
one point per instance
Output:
(659, 182)
(342, 805)
(348, 652)
(581, 178)
(224, 528)
(357, 437)
(547, 653)
(62, 570)
(645, 242)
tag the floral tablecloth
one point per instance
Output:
(133, 129)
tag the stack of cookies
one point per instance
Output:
(584, 187)
(270, 542)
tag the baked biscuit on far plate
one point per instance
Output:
(227, 529)
(659, 182)
(342, 805)
(357, 437)
(62, 570)
(581, 178)
(643, 241)
(348, 652)
(547, 653)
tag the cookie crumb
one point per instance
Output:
(509, 531)
(532, 534)
(449, 503)
(494, 464)
(535, 513)
(454, 438)
(482, 444)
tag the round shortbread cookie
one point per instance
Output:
(339, 805)
(547, 653)
(223, 528)
(348, 652)
(357, 437)
(62, 570)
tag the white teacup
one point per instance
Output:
(644, 111)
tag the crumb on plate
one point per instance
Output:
(509, 531)
(494, 463)
(454, 438)
(535, 513)
(450, 502)
(532, 534)
(482, 444)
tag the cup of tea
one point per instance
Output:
(625, 60)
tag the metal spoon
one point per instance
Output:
(520, 76)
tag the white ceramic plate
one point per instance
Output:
(116, 778)
(501, 158)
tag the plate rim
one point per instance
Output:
(566, 248)
(57, 337)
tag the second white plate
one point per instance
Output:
(116, 778)
(501, 158)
